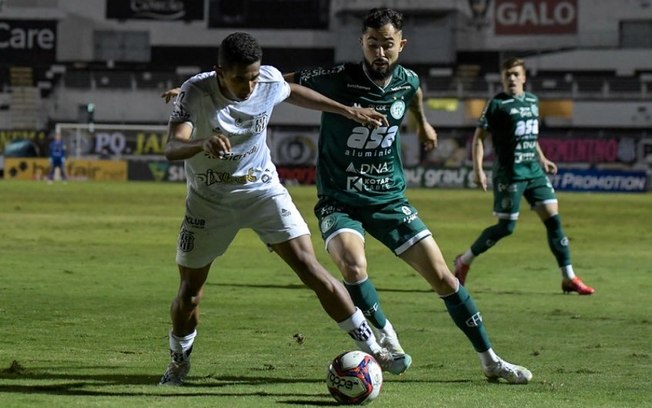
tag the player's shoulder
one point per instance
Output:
(269, 73)
(406, 72)
(530, 97)
(407, 75)
(200, 82)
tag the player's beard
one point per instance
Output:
(379, 75)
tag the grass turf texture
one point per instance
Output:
(88, 273)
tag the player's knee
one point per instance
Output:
(506, 227)
(353, 272)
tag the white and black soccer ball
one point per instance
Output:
(354, 378)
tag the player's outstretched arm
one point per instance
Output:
(477, 151)
(309, 99)
(426, 133)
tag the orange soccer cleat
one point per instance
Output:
(576, 285)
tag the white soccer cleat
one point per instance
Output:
(388, 339)
(395, 364)
(512, 373)
(177, 370)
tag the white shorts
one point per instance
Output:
(209, 227)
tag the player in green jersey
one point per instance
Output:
(512, 120)
(361, 186)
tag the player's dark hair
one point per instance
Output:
(378, 17)
(239, 49)
(511, 63)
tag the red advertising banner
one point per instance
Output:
(526, 17)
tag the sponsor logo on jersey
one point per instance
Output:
(364, 138)
(361, 184)
(370, 169)
(230, 156)
(397, 110)
(356, 86)
(216, 177)
(309, 73)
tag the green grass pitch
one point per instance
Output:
(88, 273)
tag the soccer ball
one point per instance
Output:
(354, 378)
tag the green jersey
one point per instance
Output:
(359, 165)
(513, 122)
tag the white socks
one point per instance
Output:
(358, 328)
(567, 272)
(488, 358)
(182, 344)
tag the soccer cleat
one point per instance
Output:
(177, 370)
(461, 269)
(388, 338)
(390, 342)
(395, 364)
(512, 373)
(576, 285)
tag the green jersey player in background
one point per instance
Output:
(512, 119)
(361, 186)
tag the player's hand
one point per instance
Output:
(481, 179)
(548, 166)
(368, 117)
(170, 94)
(428, 136)
(217, 145)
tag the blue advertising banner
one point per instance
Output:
(600, 181)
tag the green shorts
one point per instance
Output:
(396, 224)
(507, 195)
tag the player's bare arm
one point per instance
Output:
(289, 77)
(179, 145)
(426, 133)
(307, 98)
(477, 150)
(548, 166)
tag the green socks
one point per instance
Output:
(365, 297)
(466, 316)
(557, 240)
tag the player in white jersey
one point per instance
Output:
(218, 126)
